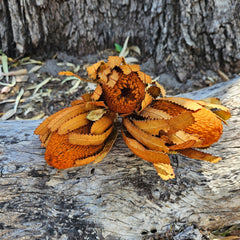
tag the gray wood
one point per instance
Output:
(181, 36)
(122, 197)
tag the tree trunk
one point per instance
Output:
(181, 36)
(122, 197)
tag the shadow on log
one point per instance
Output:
(122, 197)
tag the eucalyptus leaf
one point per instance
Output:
(5, 63)
(118, 48)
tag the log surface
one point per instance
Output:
(122, 197)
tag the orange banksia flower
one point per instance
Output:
(153, 125)
(174, 125)
(77, 135)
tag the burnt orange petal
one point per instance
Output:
(92, 70)
(127, 69)
(102, 124)
(114, 61)
(97, 93)
(184, 102)
(184, 145)
(145, 138)
(146, 101)
(152, 126)
(89, 139)
(193, 153)
(144, 77)
(67, 114)
(103, 75)
(153, 113)
(73, 123)
(113, 78)
(181, 121)
(165, 171)
(107, 146)
(142, 152)
(43, 127)
(180, 137)
(45, 138)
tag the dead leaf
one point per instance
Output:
(95, 115)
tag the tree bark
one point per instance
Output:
(122, 197)
(182, 36)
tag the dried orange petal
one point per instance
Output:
(89, 139)
(142, 152)
(154, 143)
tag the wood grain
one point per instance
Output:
(122, 197)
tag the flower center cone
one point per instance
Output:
(126, 95)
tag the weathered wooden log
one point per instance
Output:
(122, 197)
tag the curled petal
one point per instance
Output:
(89, 139)
(114, 61)
(113, 78)
(144, 77)
(142, 152)
(153, 113)
(156, 90)
(152, 126)
(193, 153)
(45, 138)
(222, 112)
(67, 114)
(152, 142)
(74, 123)
(97, 93)
(102, 124)
(96, 114)
(184, 102)
(127, 69)
(43, 127)
(146, 101)
(107, 146)
(92, 70)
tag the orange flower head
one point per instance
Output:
(207, 126)
(153, 125)
(121, 86)
(174, 125)
(77, 135)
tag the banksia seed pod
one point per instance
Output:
(121, 86)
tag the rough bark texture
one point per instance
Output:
(181, 36)
(122, 197)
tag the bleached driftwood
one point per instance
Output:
(122, 197)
